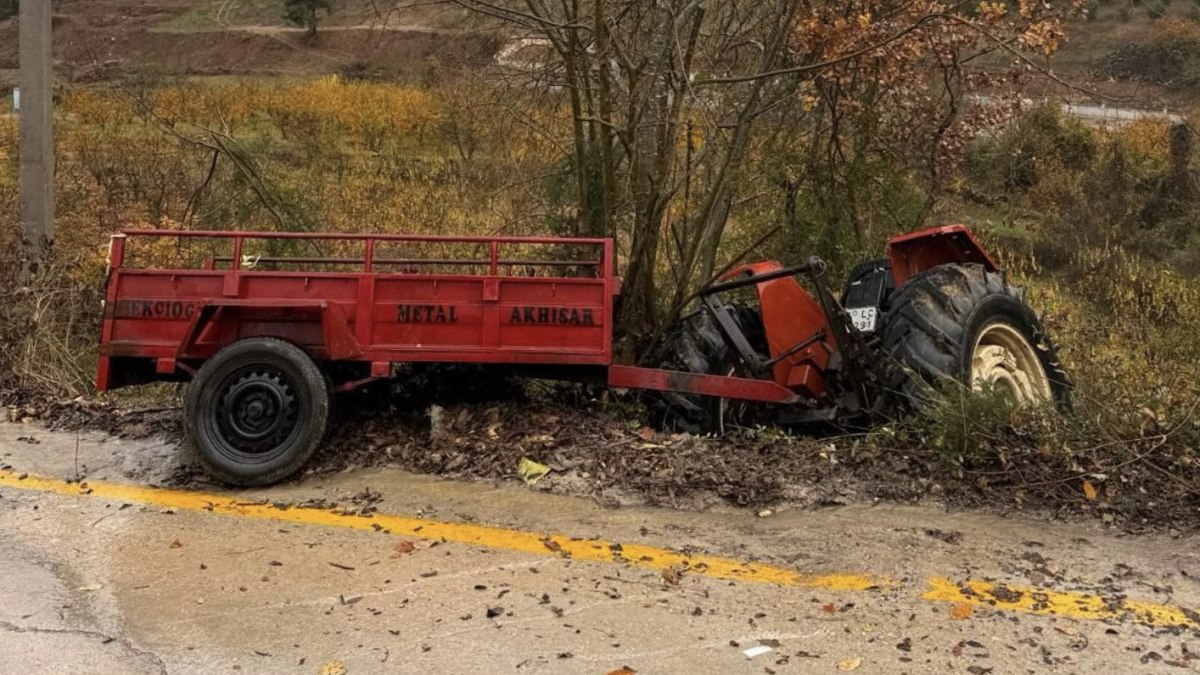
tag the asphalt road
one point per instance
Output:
(415, 574)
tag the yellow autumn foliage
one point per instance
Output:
(326, 154)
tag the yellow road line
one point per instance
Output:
(593, 550)
(1069, 604)
(1023, 599)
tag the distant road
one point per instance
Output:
(1097, 115)
(1102, 115)
(291, 30)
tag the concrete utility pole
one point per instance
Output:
(37, 128)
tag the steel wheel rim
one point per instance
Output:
(734, 414)
(256, 411)
(1005, 359)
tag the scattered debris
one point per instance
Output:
(756, 651)
(961, 611)
(850, 664)
(555, 547)
(674, 574)
(333, 668)
(950, 537)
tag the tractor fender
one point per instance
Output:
(916, 252)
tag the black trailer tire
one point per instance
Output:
(697, 345)
(963, 323)
(257, 411)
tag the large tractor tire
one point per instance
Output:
(696, 345)
(964, 324)
(257, 411)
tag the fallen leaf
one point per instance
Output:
(404, 546)
(961, 611)
(850, 664)
(177, 544)
(647, 433)
(333, 668)
(530, 471)
(1089, 490)
(623, 670)
(828, 608)
(553, 546)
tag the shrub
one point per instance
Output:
(1039, 141)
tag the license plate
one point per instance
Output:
(863, 318)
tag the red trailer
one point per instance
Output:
(266, 326)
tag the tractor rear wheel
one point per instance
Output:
(965, 324)
(257, 411)
(697, 345)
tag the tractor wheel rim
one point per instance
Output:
(257, 410)
(1004, 358)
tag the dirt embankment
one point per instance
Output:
(594, 448)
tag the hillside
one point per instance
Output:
(103, 39)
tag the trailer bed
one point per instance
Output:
(499, 306)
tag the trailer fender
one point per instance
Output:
(337, 340)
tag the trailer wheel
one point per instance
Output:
(697, 345)
(968, 325)
(257, 411)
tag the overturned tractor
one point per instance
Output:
(265, 338)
